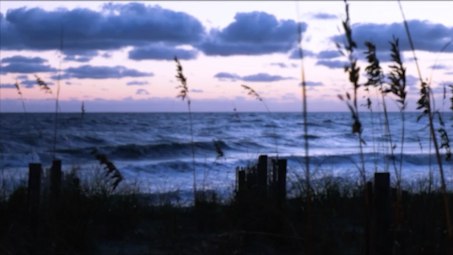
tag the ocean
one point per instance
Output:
(155, 148)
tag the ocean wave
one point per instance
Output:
(151, 151)
(310, 137)
(416, 159)
(310, 124)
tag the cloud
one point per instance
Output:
(253, 33)
(264, 77)
(385, 56)
(77, 59)
(116, 26)
(411, 80)
(22, 77)
(68, 83)
(323, 16)
(312, 83)
(382, 56)
(138, 83)
(282, 65)
(79, 55)
(328, 54)
(101, 72)
(142, 92)
(24, 60)
(80, 52)
(439, 66)
(295, 54)
(107, 55)
(196, 90)
(289, 96)
(449, 73)
(31, 83)
(445, 83)
(27, 68)
(222, 76)
(161, 52)
(7, 86)
(259, 77)
(332, 64)
(426, 36)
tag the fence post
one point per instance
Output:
(262, 174)
(383, 235)
(369, 221)
(281, 181)
(55, 187)
(241, 176)
(34, 186)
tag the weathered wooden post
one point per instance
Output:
(240, 184)
(281, 181)
(55, 187)
(34, 192)
(241, 181)
(368, 218)
(262, 175)
(236, 182)
(382, 202)
(272, 180)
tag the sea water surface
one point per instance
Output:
(155, 148)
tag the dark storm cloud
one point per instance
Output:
(117, 26)
(22, 59)
(161, 52)
(259, 77)
(254, 33)
(426, 36)
(86, 31)
(101, 72)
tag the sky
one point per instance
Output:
(118, 56)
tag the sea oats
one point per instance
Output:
(183, 94)
(43, 85)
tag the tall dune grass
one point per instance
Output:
(58, 93)
(254, 94)
(306, 143)
(425, 103)
(183, 94)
